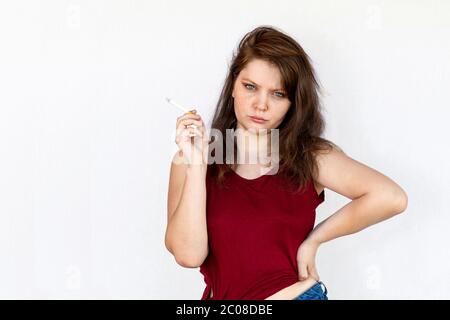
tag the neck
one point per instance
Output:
(253, 147)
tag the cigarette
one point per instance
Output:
(185, 110)
(179, 106)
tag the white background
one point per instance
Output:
(86, 137)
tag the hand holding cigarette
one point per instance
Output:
(185, 110)
(191, 135)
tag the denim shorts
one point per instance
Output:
(314, 293)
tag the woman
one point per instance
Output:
(249, 225)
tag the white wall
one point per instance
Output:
(86, 137)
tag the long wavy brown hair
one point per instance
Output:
(301, 129)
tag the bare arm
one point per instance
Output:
(375, 197)
(186, 234)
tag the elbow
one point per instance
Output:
(184, 255)
(188, 262)
(399, 200)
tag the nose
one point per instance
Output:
(261, 104)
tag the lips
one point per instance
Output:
(257, 119)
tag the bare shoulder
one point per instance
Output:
(351, 178)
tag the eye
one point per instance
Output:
(246, 85)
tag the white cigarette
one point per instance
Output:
(179, 106)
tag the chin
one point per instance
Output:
(259, 129)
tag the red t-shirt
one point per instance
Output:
(254, 230)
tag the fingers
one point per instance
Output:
(185, 134)
(186, 122)
(307, 271)
(313, 273)
(303, 273)
(194, 132)
(189, 125)
(189, 120)
(188, 115)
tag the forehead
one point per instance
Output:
(262, 73)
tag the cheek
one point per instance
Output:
(243, 95)
(285, 109)
(279, 116)
(239, 105)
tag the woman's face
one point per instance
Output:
(258, 92)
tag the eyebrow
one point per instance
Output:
(281, 89)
